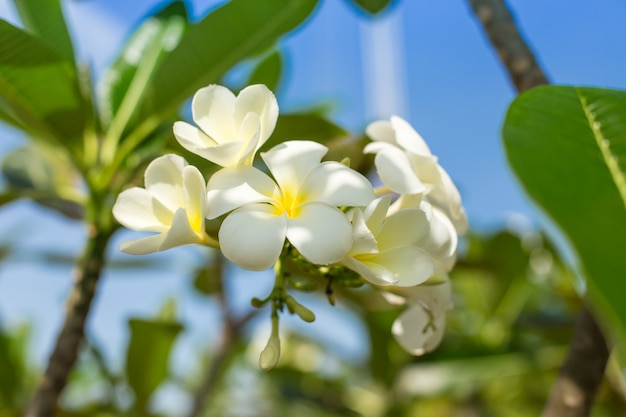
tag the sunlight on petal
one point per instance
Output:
(253, 236)
(381, 130)
(195, 197)
(290, 162)
(376, 212)
(408, 138)
(410, 265)
(145, 245)
(338, 185)
(213, 110)
(365, 272)
(260, 100)
(321, 233)
(164, 180)
(192, 138)
(412, 330)
(180, 233)
(403, 228)
(363, 239)
(134, 209)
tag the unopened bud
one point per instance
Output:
(257, 303)
(303, 312)
(271, 353)
(346, 161)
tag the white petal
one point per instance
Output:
(164, 180)
(213, 109)
(375, 147)
(134, 208)
(436, 298)
(290, 162)
(194, 189)
(376, 212)
(372, 273)
(415, 331)
(234, 187)
(260, 100)
(253, 236)
(321, 233)
(192, 138)
(396, 172)
(363, 239)
(248, 136)
(403, 228)
(409, 265)
(381, 130)
(408, 138)
(145, 245)
(180, 233)
(442, 239)
(338, 185)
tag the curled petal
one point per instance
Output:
(417, 332)
(408, 138)
(213, 109)
(180, 233)
(363, 239)
(408, 265)
(143, 246)
(260, 100)
(248, 136)
(376, 212)
(194, 189)
(164, 180)
(381, 130)
(338, 185)
(442, 239)
(403, 228)
(134, 208)
(396, 172)
(234, 187)
(253, 236)
(321, 233)
(290, 162)
(192, 138)
(373, 273)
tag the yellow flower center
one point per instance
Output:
(288, 202)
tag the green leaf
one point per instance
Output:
(373, 6)
(567, 146)
(235, 31)
(155, 38)
(45, 20)
(268, 71)
(147, 356)
(39, 86)
(308, 126)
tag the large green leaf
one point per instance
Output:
(373, 6)
(45, 20)
(235, 31)
(125, 80)
(147, 357)
(268, 71)
(39, 86)
(567, 146)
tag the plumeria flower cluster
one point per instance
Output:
(297, 210)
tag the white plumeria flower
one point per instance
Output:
(173, 204)
(384, 251)
(420, 328)
(232, 128)
(406, 165)
(299, 204)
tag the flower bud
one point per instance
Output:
(271, 353)
(303, 312)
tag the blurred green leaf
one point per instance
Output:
(147, 357)
(237, 30)
(132, 70)
(39, 86)
(208, 280)
(45, 20)
(567, 145)
(373, 6)
(13, 367)
(42, 173)
(268, 71)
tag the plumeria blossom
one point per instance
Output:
(420, 328)
(173, 204)
(406, 165)
(231, 128)
(384, 250)
(300, 203)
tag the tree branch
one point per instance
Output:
(582, 373)
(516, 56)
(72, 332)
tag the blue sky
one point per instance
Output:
(441, 75)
